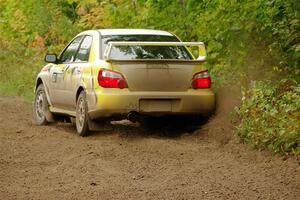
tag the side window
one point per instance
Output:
(84, 50)
(70, 52)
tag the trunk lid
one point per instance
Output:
(161, 75)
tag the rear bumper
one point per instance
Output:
(112, 102)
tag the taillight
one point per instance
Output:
(201, 80)
(111, 79)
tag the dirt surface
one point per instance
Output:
(126, 162)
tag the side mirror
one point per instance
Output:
(51, 58)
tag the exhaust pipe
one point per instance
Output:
(133, 116)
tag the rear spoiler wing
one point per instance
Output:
(200, 45)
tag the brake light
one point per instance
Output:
(201, 80)
(111, 79)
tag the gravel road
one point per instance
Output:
(127, 162)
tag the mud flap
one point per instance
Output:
(49, 116)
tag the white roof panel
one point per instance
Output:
(133, 32)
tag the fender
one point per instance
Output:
(40, 80)
(86, 83)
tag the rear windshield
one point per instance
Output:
(145, 52)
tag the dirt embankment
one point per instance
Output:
(125, 162)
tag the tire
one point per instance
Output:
(41, 110)
(82, 117)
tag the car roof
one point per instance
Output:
(133, 32)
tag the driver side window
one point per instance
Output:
(84, 50)
(70, 52)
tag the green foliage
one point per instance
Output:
(270, 116)
(27, 29)
(18, 70)
(23, 22)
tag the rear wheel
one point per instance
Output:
(82, 115)
(41, 112)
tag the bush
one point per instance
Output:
(270, 116)
(27, 30)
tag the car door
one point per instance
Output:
(58, 92)
(74, 73)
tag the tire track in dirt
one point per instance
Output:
(52, 162)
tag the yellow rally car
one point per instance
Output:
(115, 73)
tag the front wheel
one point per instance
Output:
(82, 117)
(41, 112)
